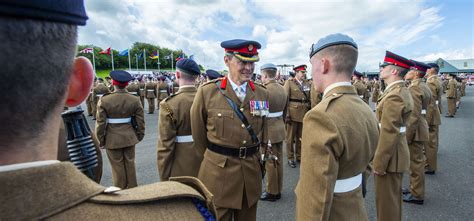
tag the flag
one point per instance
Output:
(140, 56)
(180, 57)
(124, 53)
(155, 56)
(106, 51)
(168, 57)
(86, 51)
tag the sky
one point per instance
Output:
(422, 30)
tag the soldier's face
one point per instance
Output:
(410, 75)
(241, 71)
(318, 67)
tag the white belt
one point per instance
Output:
(275, 114)
(133, 93)
(437, 102)
(361, 96)
(423, 111)
(163, 91)
(142, 89)
(184, 139)
(403, 129)
(349, 184)
(150, 90)
(99, 95)
(119, 120)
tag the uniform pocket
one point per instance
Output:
(222, 122)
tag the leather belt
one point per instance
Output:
(241, 153)
(298, 100)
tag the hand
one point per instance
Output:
(379, 173)
(287, 120)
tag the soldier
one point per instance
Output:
(99, 90)
(335, 154)
(276, 134)
(315, 95)
(176, 153)
(133, 88)
(463, 87)
(451, 94)
(228, 122)
(417, 132)
(298, 91)
(360, 87)
(120, 125)
(142, 93)
(176, 85)
(108, 83)
(376, 91)
(162, 89)
(433, 115)
(392, 156)
(90, 100)
(34, 185)
(150, 90)
(212, 75)
(458, 92)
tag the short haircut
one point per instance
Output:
(343, 58)
(271, 73)
(401, 71)
(186, 76)
(37, 59)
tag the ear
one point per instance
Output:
(80, 82)
(227, 60)
(326, 65)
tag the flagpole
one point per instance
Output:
(129, 64)
(144, 58)
(112, 54)
(158, 60)
(136, 57)
(172, 62)
(93, 59)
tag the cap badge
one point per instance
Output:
(250, 47)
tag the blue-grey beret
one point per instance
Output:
(331, 40)
(189, 66)
(62, 11)
(268, 66)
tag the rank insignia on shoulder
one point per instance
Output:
(259, 108)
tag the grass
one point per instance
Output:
(105, 73)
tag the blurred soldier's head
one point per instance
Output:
(30, 109)
(268, 72)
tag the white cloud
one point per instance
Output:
(448, 54)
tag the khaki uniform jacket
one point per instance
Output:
(177, 159)
(316, 97)
(133, 89)
(277, 103)
(393, 109)
(451, 90)
(297, 110)
(376, 91)
(150, 90)
(162, 89)
(214, 121)
(141, 85)
(119, 104)
(361, 89)
(436, 88)
(339, 139)
(99, 91)
(417, 127)
(61, 192)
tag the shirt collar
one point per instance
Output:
(186, 86)
(393, 83)
(19, 166)
(235, 86)
(334, 85)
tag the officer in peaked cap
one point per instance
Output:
(417, 131)
(299, 99)
(360, 87)
(433, 117)
(392, 156)
(120, 126)
(212, 74)
(228, 122)
(162, 90)
(334, 155)
(34, 185)
(176, 152)
(276, 126)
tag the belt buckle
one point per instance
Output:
(242, 156)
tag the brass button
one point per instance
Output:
(244, 142)
(243, 125)
(219, 115)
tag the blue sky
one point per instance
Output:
(419, 29)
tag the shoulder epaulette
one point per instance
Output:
(326, 101)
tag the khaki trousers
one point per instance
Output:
(122, 162)
(275, 171)
(451, 106)
(151, 105)
(388, 196)
(247, 213)
(417, 169)
(431, 148)
(294, 132)
(142, 100)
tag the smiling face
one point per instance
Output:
(239, 71)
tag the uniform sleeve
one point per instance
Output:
(166, 143)
(287, 91)
(101, 123)
(391, 121)
(319, 167)
(440, 94)
(415, 116)
(140, 119)
(199, 122)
